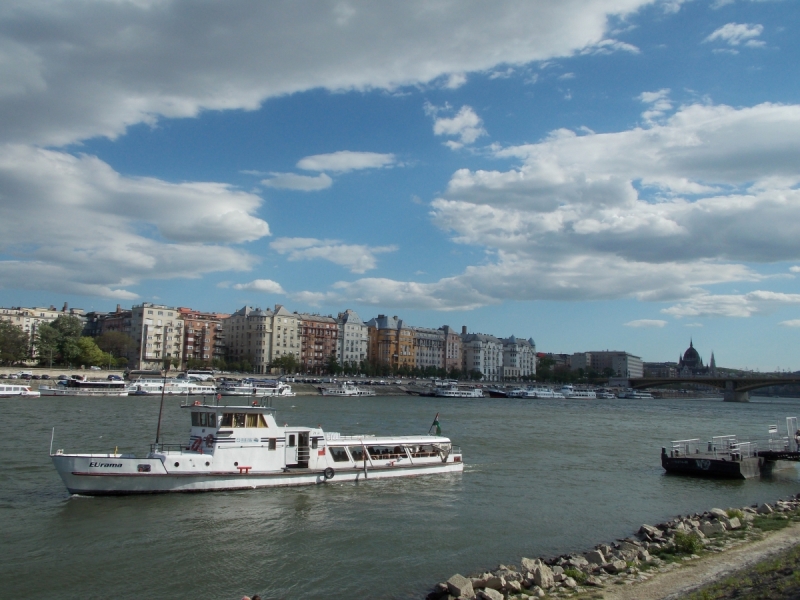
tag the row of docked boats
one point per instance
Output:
(154, 386)
(567, 392)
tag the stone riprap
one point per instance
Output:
(624, 562)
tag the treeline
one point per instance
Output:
(60, 343)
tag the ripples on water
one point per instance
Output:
(542, 477)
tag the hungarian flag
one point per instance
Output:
(436, 424)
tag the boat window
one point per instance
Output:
(212, 420)
(357, 452)
(339, 454)
(291, 441)
(195, 419)
(388, 452)
(273, 443)
(239, 419)
(314, 442)
(227, 420)
(252, 419)
(262, 421)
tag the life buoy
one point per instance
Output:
(196, 403)
(197, 444)
(209, 440)
(328, 473)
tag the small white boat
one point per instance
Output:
(17, 391)
(152, 386)
(80, 386)
(243, 447)
(455, 391)
(571, 392)
(636, 395)
(347, 388)
(605, 394)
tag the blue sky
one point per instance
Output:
(595, 174)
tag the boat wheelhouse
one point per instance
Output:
(243, 447)
(347, 388)
(17, 391)
(80, 386)
(456, 391)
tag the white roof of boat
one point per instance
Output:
(380, 440)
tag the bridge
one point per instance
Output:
(735, 389)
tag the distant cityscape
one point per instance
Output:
(149, 336)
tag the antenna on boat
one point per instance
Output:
(161, 408)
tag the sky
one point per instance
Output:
(594, 174)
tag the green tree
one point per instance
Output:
(89, 353)
(13, 343)
(116, 343)
(332, 365)
(287, 362)
(60, 338)
(47, 344)
(475, 375)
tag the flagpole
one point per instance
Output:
(435, 421)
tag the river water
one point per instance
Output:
(542, 477)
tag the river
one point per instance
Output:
(542, 477)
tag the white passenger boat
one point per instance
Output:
(255, 389)
(151, 386)
(455, 391)
(571, 392)
(347, 388)
(243, 447)
(636, 395)
(17, 391)
(535, 391)
(85, 387)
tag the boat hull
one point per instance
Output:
(110, 475)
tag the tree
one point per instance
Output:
(287, 362)
(47, 344)
(116, 343)
(332, 365)
(13, 343)
(59, 339)
(90, 354)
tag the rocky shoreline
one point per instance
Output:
(653, 550)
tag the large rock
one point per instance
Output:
(490, 594)
(570, 583)
(712, 528)
(764, 509)
(593, 581)
(460, 587)
(513, 586)
(734, 523)
(615, 566)
(719, 513)
(495, 583)
(529, 564)
(595, 557)
(543, 577)
(578, 561)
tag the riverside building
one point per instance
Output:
(519, 358)
(248, 337)
(203, 339)
(158, 333)
(30, 319)
(391, 342)
(353, 338)
(482, 353)
(429, 347)
(318, 341)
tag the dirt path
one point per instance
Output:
(711, 568)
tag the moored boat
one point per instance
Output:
(576, 393)
(456, 391)
(243, 447)
(81, 386)
(151, 386)
(17, 391)
(347, 388)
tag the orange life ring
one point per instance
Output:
(196, 444)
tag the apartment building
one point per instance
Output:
(247, 334)
(286, 333)
(453, 349)
(519, 358)
(158, 333)
(623, 364)
(353, 338)
(319, 337)
(204, 339)
(429, 347)
(391, 342)
(482, 353)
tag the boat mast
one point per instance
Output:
(161, 408)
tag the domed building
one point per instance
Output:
(691, 365)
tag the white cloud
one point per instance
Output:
(566, 76)
(74, 225)
(455, 81)
(659, 104)
(648, 323)
(795, 269)
(465, 125)
(791, 323)
(266, 286)
(735, 34)
(692, 324)
(610, 46)
(356, 257)
(732, 305)
(301, 183)
(103, 67)
(345, 160)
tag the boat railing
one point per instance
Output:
(162, 448)
(303, 453)
(744, 450)
(685, 447)
(778, 444)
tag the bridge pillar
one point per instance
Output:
(731, 394)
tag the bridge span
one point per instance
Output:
(734, 389)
